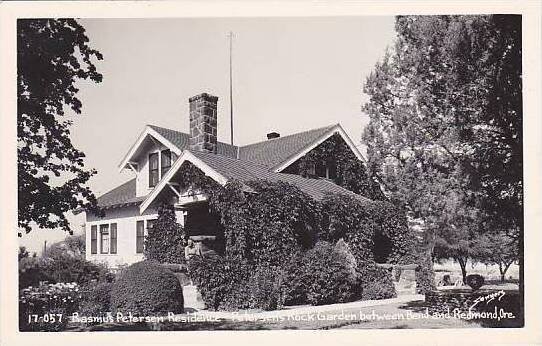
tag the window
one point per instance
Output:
(140, 236)
(165, 162)
(93, 239)
(320, 170)
(104, 238)
(113, 245)
(153, 169)
(150, 224)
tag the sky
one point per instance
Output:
(289, 75)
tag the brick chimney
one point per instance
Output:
(203, 123)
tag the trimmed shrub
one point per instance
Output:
(96, 299)
(146, 289)
(475, 281)
(323, 276)
(376, 282)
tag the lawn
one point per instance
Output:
(338, 319)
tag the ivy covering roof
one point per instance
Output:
(245, 171)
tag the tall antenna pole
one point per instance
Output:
(230, 35)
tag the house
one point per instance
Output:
(155, 158)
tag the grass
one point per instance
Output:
(324, 321)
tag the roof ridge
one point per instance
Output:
(290, 135)
(187, 134)
(263, 141)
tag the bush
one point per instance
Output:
(146, 289)
(165, 240)
(32, 271)
(475, 281)
(221, 281)
(60, 268)
(65, 268)
(322, 276)
(96, 299)
(46, 301)
(376, 282)
(265, 289)
(425, 278)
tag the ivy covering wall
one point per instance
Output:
(346, 169)
(274, 226)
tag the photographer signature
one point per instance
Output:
(488, 298)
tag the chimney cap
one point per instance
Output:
(203, 96)
(272, 135)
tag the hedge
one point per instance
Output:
(146, 289)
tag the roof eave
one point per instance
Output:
(147, 131)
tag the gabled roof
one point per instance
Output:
(269, 152)
(262, 160)
(181, 140)
(120, 196)
(277, 150)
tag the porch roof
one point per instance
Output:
(244, 172)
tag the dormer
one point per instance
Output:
(150, 158)
(156, 149)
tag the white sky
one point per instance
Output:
(290, 75)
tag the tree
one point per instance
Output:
(52, 55)
(23, 253)
(73, 246)
(445, 124)
(500, 249)
(165, 240)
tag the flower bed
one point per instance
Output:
(48, 306)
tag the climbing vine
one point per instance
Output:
(345, 168)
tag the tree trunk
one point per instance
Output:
(463, 265)
(504, 269)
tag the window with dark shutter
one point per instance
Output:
(165, 161)
(104, 239)
(113, 241)
(93, 239)
(153, 169)
(140, 236)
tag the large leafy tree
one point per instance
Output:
(52, 54)
(445, 126)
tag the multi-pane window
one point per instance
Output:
(140, 236)
(165, 162)
(93, 239)
(153, 169)
(104, 238)
(113, 240)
